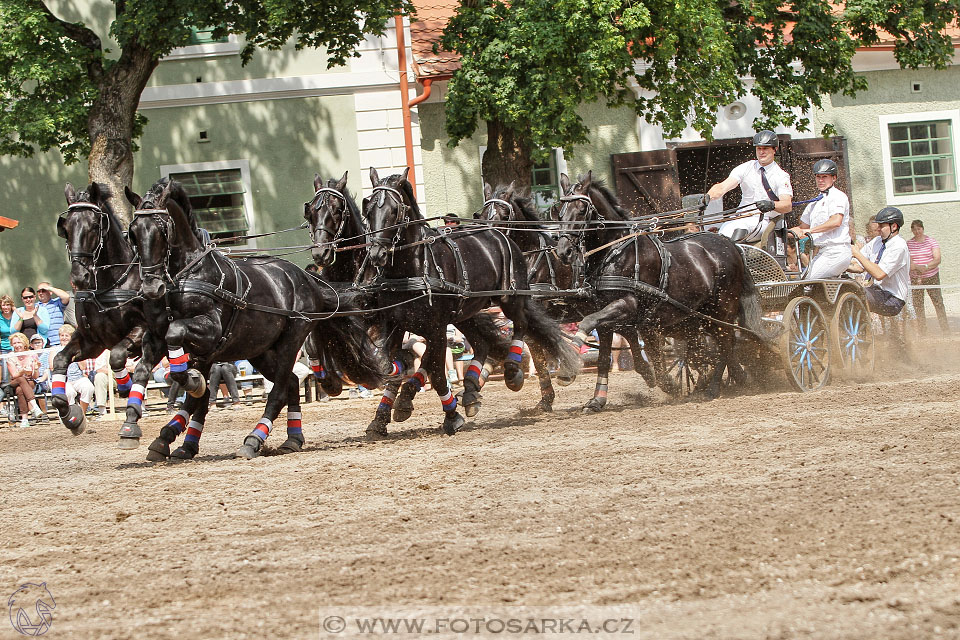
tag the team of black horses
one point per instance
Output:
(159, 288)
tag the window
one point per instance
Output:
(545, 185)
(920, 154)
(205, 36)
(220, 195)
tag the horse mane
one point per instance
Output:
(106, 194)
(180, 196)
(599, 185)
(407, 190)
(528, 210)
(352, 207)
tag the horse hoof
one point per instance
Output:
(185, 452)
(592, 407)
(130, 431)
(292, 445)
(472, 409)
(250, 449)
(565, 381)
(76, 421)
(331, 385)
(452, 423)
(195, 385)
(544, 406)
(158, 451)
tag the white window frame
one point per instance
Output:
(221, 165)
(925, 116)
(213, 50)
(560, 162)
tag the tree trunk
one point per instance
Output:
(111, 124)
(507, 158)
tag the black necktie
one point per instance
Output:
(766, 185)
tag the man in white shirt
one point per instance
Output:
(827, 221)
(887, 260)
(765, 190)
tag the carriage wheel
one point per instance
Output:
(804, 346)
(851, 333)
(678, 367)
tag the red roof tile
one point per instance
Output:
(432, 18)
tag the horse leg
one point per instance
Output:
(295, 440)
(403, 404)
(130, 432)
(198, 416)
(515, 309)
(278, 363)
(118, 364)
(484, 337)
(432, 362)
(599, 400)
(399, 367)
(159, 449)
(71, 416)
(547, 394)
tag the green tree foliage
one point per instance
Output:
(527, 65)
(60, 88)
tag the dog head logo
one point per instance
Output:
(31, 609)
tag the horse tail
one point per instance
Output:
(345, 343)
(544, 331)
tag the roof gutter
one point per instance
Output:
(427, 83)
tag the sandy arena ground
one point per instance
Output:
(776, 515)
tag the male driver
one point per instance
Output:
(827, 221)
(763, 184)
(887, 260)
(55, 301)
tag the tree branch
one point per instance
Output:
(79, 34)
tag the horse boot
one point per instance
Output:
(403, 405)
(75, 420)
(452, 422)
(195, 383)
(599, 399)
(159, 449)
(378, 426)
(186, 451)
(512, 373)
(130, 432)
(292, 444)
(471, 398)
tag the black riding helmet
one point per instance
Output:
(889, 215)
(825, 167)
(766, 138)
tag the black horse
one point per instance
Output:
(434, 277)
(685, 288)
(259, 309)
(548, 275)
(338, 233)
(103, 271)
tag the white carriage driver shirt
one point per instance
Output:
(816, 213)
(751, 185)
(895, 262)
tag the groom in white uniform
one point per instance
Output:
(827, 221)
(763, 185)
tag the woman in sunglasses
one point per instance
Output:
(35, 318)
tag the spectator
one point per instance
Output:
(35, 319)
(81, 376)
(10, 322)
(24, 371)
(43, 380)
(871, 231)
(54, 301)
(887, 260)
(227, 372)
(925, 271)
(161, 373)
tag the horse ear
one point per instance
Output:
(564, 183)
(165, 195)
(342, 182)
(509, 192)
(587, 180)
(70, 193)
(487, 191)
(132, 197)
(403, 176)
(374, 176)
(317, 182)
(94, 192)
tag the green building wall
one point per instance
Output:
(858, 119)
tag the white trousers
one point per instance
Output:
(830, 261)
(299, 369)
(752, 224)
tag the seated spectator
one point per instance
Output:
(43, 380)
(227, 372)
(87, 379)
(24, 370)
(161, 373)
(10, 322)
(54, 301)
(35, 319)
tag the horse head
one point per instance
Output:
(387, 210)
(575, 212)
(85, 225)
(498, 204)
(328, 214)
(160, 228)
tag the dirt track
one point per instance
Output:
(828, 515)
